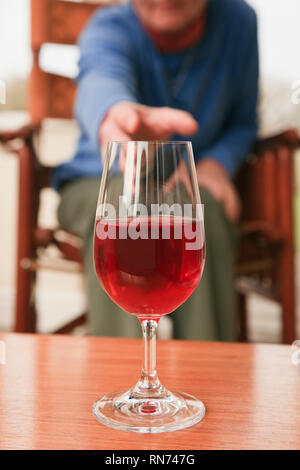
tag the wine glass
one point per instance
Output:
(149, 252)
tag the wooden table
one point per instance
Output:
(48, 385)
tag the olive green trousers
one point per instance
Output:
(209, 314)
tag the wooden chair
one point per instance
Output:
(266, 263)
(265, 183)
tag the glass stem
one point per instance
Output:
(149, 383)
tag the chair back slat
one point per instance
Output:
(261, 181)
(59, 22)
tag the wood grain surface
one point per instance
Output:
(49, 383)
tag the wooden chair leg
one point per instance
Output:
(25, 315)
(242, 313)
(287, 295)
(288, 312)
(286, 267)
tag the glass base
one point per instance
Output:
(127, 412)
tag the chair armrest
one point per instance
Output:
(25, 133)
(289, 138)
(260, 229)
(27, 153)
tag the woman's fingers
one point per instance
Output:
(110, 132)
(126, 116)
(165, 122)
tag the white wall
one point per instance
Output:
(14, 38)
(279, 37)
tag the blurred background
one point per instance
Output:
(60, 295)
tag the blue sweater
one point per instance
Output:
(119, 61)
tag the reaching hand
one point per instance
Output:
(132, 121)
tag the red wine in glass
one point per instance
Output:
(149, 276)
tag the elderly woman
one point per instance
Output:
(164, 69)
